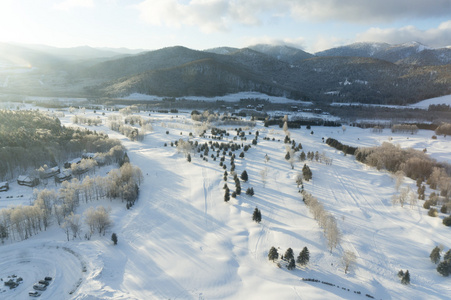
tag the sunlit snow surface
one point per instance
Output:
(182, 241)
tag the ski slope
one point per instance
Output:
(182, 241)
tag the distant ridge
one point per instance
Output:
(361, 72)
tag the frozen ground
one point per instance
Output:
(182, 241)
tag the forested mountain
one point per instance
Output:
(408, 53)
(362, 72)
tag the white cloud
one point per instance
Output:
(292, 42)
(70, 4)
(217, 15)
(323, 43)
(369, 11)
(209, 15)
(434, 37)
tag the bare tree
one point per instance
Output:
(333, 234)
(97, 219)
(349, 258)
(403, 196)
(399, 179)
(264, 175)
(73, 222)
(298, 179)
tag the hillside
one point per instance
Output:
(362, 72)
(182, 241)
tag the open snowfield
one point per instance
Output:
(182, 241)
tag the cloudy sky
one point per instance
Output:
(312, 25)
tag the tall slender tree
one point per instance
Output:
(291, 265)
(303, 257)
(289, 254)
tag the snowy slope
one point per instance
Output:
(182, 241)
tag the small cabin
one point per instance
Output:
(4, 186)
(28, 180)
(65, 175)
(50, 172)
(68, 164)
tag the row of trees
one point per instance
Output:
(415, 164)
(302, 259)
(90, 121)
(443, 129)
(324, 219)
(21, 222)
(404, 128)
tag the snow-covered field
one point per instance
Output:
(182, 241)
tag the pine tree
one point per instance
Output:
(257, 215)
(302, 156)
(289, 254)
(306, 172)
(114, 238)
(273, 254)
(401, 274)
(188, 158)
(435, 255)
(291, 265)
(447, 255)
(406, 278)
(244, 176)
(237, 185)
(250, 191)
(304, 257)
(227, 195)
(287, 156)
(444, 268)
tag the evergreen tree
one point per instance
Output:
(302, 156)
(406, 278)
(257, 215)
(244, 176)
(435, 255)
(227, 195)
(273, 254)
(447, 255)
(401, 274)
(303, 257)
(114, 238)
(188, 158)
(306, 172)
(287, 156)
(291, 265)
(250, 191)
(444, 268)
(289, 254)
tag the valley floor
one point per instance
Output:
(182, 241)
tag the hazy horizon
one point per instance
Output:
(202, 24)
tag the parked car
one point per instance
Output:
(43, 282)
(48, 278)
(39, 287)
(34, 293)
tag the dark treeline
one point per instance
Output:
(299, 123)
(30, 139)
(339, 146)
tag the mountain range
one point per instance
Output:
(361, 72)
